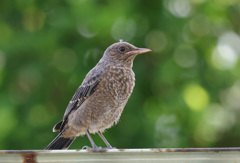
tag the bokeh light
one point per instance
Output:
(185, 56)
(123, 29)
(196, 97)
(84, 31)
(200, 25)
(225, 56)
(39, 116)
(156, 41)
(230, 97)
(214, 123)
(167, 131)
(33, 19)
(65, 59)
(179, 8)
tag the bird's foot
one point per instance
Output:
(97, 149)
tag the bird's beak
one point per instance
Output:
(139, 51)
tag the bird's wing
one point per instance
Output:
(81, 94)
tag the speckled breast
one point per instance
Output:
(119, 82)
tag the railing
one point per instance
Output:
(160, 155)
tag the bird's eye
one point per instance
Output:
(122, 49)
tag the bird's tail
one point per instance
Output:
(60, 143)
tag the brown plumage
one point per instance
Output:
(99, 101)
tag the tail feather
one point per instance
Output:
(57, 127)
(60, 143)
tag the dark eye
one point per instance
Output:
(122, 49)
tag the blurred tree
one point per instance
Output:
(187, 90)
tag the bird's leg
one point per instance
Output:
(94, 147)
(105, 140)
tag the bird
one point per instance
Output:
(100, 99)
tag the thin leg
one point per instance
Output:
(105, 140)
(90, 139)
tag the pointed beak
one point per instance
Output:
(142, 50)
(139, 51)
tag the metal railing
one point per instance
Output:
(161, 155)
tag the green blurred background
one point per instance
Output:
(187, 91)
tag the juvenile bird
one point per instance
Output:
(99, 101)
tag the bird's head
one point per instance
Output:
(122, 53)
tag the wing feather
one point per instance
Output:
(81, 94)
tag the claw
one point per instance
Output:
(95, 149)
(85, 147)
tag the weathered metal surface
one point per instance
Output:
(29, 158)
(161, 155)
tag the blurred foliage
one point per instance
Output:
(187, 91)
